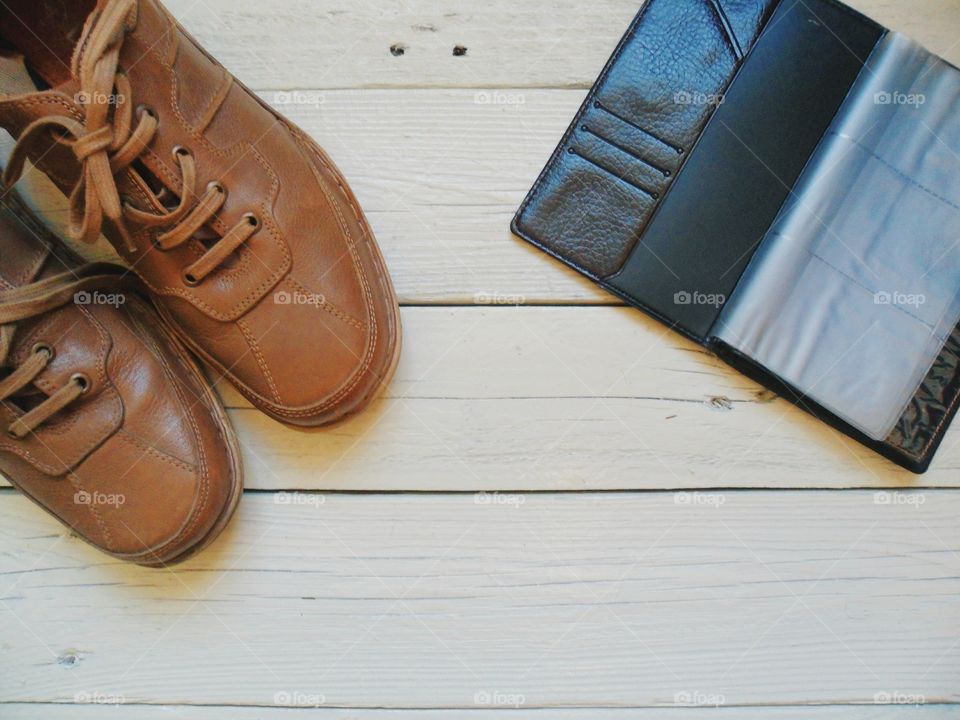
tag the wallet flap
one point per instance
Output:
(636, 128)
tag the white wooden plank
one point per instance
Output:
(564, 43)
(181, 712)
(564, 399)
(577, 600)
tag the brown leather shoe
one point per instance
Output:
(105, 421)
(250, 240)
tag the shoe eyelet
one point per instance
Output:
(82, 380)
(189, 279)
(252, 220)
(12, 435)
(42, 347)
(181, 152)
(218, 186)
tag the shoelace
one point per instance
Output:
(106, 144)
(30, 301)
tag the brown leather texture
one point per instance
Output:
(140, 461)
(249, 239)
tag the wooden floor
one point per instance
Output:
(559, 511)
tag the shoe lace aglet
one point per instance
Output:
(125, 235)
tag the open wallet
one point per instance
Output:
(778, 180)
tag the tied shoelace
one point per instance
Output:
(33, 300)
(111, 138)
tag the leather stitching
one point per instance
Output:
(141, 444)
(97, 517)
(554, 161)
(85, 450)
(241, 149)
(326, 306)
(202, 466)
(309, 146)
(261, 361)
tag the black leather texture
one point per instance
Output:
(920, 430)
(637, 127)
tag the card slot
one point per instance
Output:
(652, 194)
(635, 125)
(866, 205)
(597, 226)
(615, 156)
(629, 151)
(853, 282)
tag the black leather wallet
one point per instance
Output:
(780, 182)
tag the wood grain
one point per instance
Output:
(787, 604)
(543, 398)
(584, 600)
(347, 44)
(565, 399)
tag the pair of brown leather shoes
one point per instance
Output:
(246, 237)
